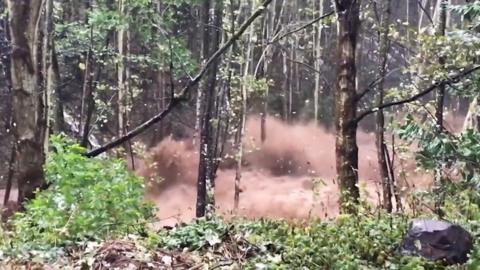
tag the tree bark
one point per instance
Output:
(205, 9)
(206, 168)
(345, 103)
(272, 24)
(440, 101)
(57, 110)
(318, 63)
(51, 75)
(5, 67)
(380, 118)
(286, 87)
(121, 75)
(267, 21)
(440, 32)
(29, 98)
(243, 116)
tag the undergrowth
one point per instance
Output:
(87, 199)
(91, 201)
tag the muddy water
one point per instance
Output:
(278, 177)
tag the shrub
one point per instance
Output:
(366, 241)
(88, 199)
(200, 233)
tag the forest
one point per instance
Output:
(239, 134)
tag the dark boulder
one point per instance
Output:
(437, 241)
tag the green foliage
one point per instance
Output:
(87, 199)
(367, 240)
(198, 234)
(470, 11)
(460, 151)
(148, 27)
(350, 242)
(364, 241)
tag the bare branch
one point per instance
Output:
(374, 83)
(310, 23)
(452, 79)
(424, 9)
(182, 96)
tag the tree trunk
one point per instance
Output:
(90, 106)
(50, 69)
(206, 168)
(345, 103)
(440, 98)
(204, 56)
(243, 116)
(29, 98)
(318, 63)
(440, 32)
(5, 65)
(423, 6)
(86, 95)
(380, 118)
(272, 25)
(286, 87)
(240, 150)
(266, 48)
(121, 76)
(57, 110)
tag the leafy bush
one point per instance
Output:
(350, 242)
(200, 233)
(365, 241)
(87, 199)
(95, 199)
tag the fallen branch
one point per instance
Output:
(452, 79)
(182, 96)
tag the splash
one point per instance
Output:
(291, 175)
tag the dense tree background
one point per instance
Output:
(106, 67)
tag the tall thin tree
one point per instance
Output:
(440, 32)
(206, 169)
(380, 118)
(346, 149)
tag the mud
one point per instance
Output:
(291, 175)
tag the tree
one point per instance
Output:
(206, 168)
(51, 73)
(6, 110)
(122, 71)
(346, 149)
(239, 136)
(29, 97)
(318, 52)
(440, 94)
(380, 118)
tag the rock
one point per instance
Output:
(437, 241)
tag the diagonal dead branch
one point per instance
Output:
(182, 96)
(452, 79)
